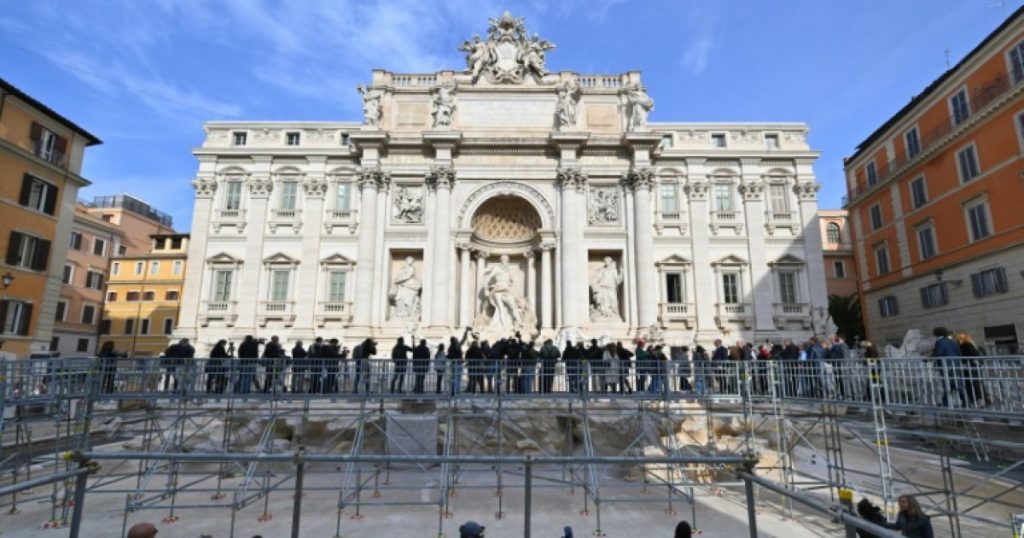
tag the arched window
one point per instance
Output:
(832, 233)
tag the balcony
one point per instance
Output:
(671, 219)
(224, 311)
(290, 218)
(232, 218)
(50, 155)
(283, 311)
(333, 311)
(726, 219)
(340, 218)
(792, 314)
(774, 220)
(728, 314)
(669, 313)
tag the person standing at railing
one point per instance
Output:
(529, 366)
(701, 376)
(108, 357)
(973, 385)
(549, 355)
(625, 357)
(216, 381)
(641, 361)
(273, 360)
(946, 348)
(361, 354)
(911, 521)
(420, 366)
(440, 365)
(175, 357)
(816, 366)
(333, 359)
(315, 365)
(659, 369)
(719, 361)
(248, 354)
(475, 363)
(490, 365)
(400, 363)
(455, 360)
(839, 353)
(299, 368)
(572, 358)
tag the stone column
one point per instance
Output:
(704, 285)
(571, 182)
(465, 290)
(307, 297)
(531, 281)
(192, 298)
(545, 287)
(762, 296)
(806, 190)
(641, 180)
(440, 179)
(370, 180)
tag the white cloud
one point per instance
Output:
(695, 58)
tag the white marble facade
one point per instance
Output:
(504, 197)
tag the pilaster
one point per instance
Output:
(307, 294)
(705, 288)
(205, 186)
(762, 299)
(260, 187)
(641, 181)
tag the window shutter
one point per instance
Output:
(26, 190)
(943, 294)
(1015, 59)
(1001, 286)
(50, 205)
(61, 145)
(42, 255)
(99, 281)
(36, 132)
(925, 302)
(26, 319)
(895, 306)
(3, 316)
(13, 248)
(976, 285)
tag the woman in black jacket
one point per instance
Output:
(216, 381)
(911, 520)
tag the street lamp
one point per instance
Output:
(7, 280)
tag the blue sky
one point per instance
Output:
(144, 75)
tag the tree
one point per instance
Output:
(846, 314)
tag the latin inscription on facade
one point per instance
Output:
(538, 113)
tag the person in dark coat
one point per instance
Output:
(946, 348)
(872, 514)
(273, 362)
(455, 360)
(108, 365)
(488, 361)
(549, 356)
(969, 369)
(683, 530)
(911, 521)
(400, 362)
(248, 353)
(299, 369)
(475, 365)
(361, 354)
(571, 357)
(625, 359)
(420, 366)
(332, 358)
(216, 380)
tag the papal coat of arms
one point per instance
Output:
(508, 54)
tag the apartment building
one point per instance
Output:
(41, 155)
(143, 296)
(934, 201)
(837, 250)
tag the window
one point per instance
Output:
(94, 280)
(977, 220)
(139, 268)
(221, 286)
(343, 199)
(934, 295)
(69, 274)
(989, 282)
(279, 285)
(132, 296)
(833, 233)
(336, 286)
(926, 241)
(233, 196)
(778, 198)
(887, 306)
(872, 171)
(149, 295)
(76, 241)
(787, 287)
(16, 316)
(718, 140)
(239, 138)
(674, 288)
(38, 195)
(176, 243)
(918, 192)
(289, 191)
(177, 267)
(111, 296)
(88, 314)
(960, 110)
(129, 326)
(666, 141)
(99, 247)
(723, 197)
(882, 259)
(168, 325)
(730, 288)
(876, 216)
(292, 139)
(669, 198)
(28, 252)
(83, 345)
(913, 143)
(1017, 62)
(105, 326)
(115, 268)
(154, 268)
(171, 295)
(160, 243)
(122, 250)
(771, 141)
(61, 313)
(967, 163)
(144, 326)
(54, 343)
(344, 139)
(839, 269)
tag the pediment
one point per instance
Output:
(223, 258)
(280, 259)
(731, 259)
(674, 259)
(336, 259)
(787, 259)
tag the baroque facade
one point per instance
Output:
(504, 198)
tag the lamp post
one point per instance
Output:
(7, 279)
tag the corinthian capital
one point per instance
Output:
(205, 187)
(372, 176)
(260, 187)
(440, 176)
(315, 188)
(751, 191)
(571, 177)
(807, 190)
(639, 178)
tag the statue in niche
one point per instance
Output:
(605, 290)
(405, 291)
(568, 101)
(512, 312)
(372, 105)
(638, 106)
(444, 106)
(408, 206)
(604, 206)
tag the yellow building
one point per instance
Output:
(143, 297)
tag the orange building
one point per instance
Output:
(41, 156)
(935, 202)
(837, 250)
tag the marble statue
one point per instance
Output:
(507, 55)
(604, 206)
(405, 291)
(478, 55)
(511, 313)
(372, 105)
(605, 290)
(443, 106)
(408, 206)
(532, 54)
(638, 106)
(568, 101)
(913, 345)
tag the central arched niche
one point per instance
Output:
(506, 220)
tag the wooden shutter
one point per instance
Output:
(26, 319)
(50, 204)
(36, 132)
(976, 285)
(1001, 286)
(26, 190)
(925, 298)
(41, 255)
(13, 248)
(3, 316)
